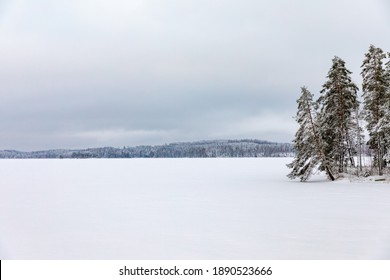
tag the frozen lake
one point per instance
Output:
(186, 209)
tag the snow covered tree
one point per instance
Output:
(388, 66)
(384, 124)
(307, 142)
(376, 96)
(338, 104)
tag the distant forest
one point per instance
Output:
(201, 149)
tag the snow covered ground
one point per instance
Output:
(186, 209)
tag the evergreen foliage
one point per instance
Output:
(376, 102)
(338, 104)
(307, 143)
(331, 138)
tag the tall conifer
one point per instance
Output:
(375, 93)
(307, 142)
(338, 104)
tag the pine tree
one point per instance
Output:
(338, 106)
(307, 142)
(375, 93)
(384, 124)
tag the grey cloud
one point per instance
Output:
(130, 72)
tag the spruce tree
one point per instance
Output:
(337, 120)
(308, 145)
(375, 92)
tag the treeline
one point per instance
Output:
(202, 149)
(332, 128)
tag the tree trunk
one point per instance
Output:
(319, 146)
(380, 156)
(329, 173)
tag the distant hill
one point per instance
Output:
(200, 149)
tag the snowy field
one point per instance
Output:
(186, 209)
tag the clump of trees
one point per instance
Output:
(331, 129)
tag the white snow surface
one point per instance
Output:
(186, 209)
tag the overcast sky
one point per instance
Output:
(88, 73)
